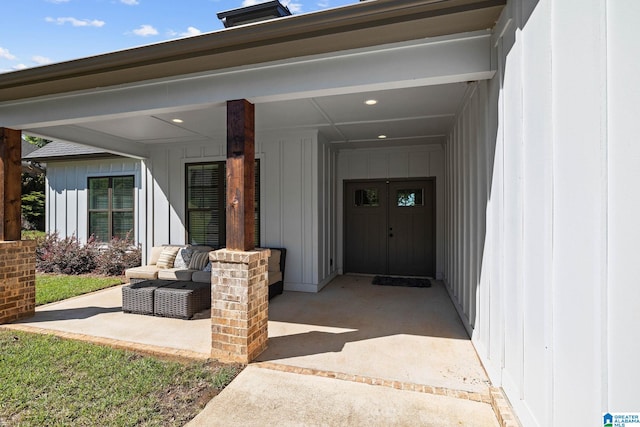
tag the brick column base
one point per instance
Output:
(239, 304)
(17, 280)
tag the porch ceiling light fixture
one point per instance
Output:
(382, 136)
(177, 120)
(371, 101)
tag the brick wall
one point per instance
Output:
(239, 304)
(17, 280)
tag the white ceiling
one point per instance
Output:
(408, 116)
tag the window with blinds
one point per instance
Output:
(205, 204)
(111, 207)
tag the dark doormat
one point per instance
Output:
(412, 282)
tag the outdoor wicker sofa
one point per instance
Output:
(177, 281)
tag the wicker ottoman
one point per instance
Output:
(138, 297)
(181, 299)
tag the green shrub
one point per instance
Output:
(33, 208)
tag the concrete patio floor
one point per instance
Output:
(98, 317)
(352, 334)
(394, 333)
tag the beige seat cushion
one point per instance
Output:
(274, 261)
(274, 276)
(175, 274)
(155, 254)
(147, 272)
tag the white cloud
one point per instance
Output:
(145, 30)
(4, 53)
(191, 31)
(323, 4)
(17, 67)
(130, 2)
(76, 22)
(293, 7)
(41, 60)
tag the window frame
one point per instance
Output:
(110, 210)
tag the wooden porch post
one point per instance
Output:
(240, 175)
(239, 276)
(10, 184)
(17, 258)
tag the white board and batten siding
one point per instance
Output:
(416, 161)
(296, 194)
(67, 195)
(542, 207)
(297, 199)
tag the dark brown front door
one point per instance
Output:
(390, 227)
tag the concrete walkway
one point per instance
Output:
(262, 397)
(359, 355)
(353, 354)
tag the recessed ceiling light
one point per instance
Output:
(177, 120)
(382, 136)
(371, 101)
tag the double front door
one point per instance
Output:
(390, 227)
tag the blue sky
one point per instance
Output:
(40, 32)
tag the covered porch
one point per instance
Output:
(351, 330)
(311, 118)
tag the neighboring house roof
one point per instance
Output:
(30, 167)
(359, 25)
(58, 150)
(28, 148)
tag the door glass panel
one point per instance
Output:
(367, 197)
(408, 198)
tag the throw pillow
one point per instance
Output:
(155, 254)
(208, 267)
(183, 258)
(199, 260)
(167, 257)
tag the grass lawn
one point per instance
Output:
(51, 381)
(32, 234)
(56, 287)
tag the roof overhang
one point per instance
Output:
(101, 155)
(359, 25)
